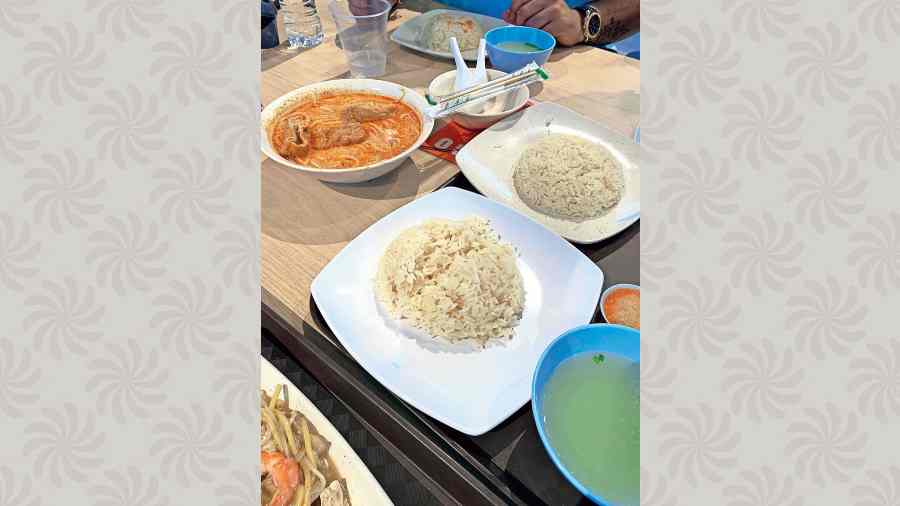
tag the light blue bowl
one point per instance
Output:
(594, 338)
(510, 61)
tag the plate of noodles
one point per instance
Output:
(559, 168)
(430, 32)
(450, 300)
(346, 130)
(304, 460)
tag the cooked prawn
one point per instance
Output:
(285, 474)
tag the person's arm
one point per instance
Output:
(617, 18)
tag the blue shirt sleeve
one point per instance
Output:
(494, 8)
(629, 46)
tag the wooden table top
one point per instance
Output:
(306, 222)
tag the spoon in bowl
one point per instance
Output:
(465, 77)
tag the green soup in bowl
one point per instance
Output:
(586, 404)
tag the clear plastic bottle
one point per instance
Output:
(301, 23)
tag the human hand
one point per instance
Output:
(554, 16)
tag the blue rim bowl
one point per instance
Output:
(594, 338)
(511, 61)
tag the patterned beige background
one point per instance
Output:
(129, 278)
(771, 252)
(129, 275)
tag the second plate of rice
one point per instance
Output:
(559, 168)
(429, 32)
(450, 300)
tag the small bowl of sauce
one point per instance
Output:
(621, 304)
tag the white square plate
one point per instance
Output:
(410, 33)
(488, 159)
(467, 389)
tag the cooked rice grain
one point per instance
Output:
(568, 177)
(442, 27)
(452, 279)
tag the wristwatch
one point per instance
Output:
(590, 24)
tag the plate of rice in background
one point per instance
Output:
(430, 32)
(563, 170)
(450, 300)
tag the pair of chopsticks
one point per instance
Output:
(447, 104)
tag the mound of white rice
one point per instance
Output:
(568, 177)
(452, 279)
(440, 28)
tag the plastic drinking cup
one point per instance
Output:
(362, 31)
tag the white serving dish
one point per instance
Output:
(488, 160)
(357, 174)
(410, 33)
(610, 290)
(469, 389)
(488, 113)
(362, 486)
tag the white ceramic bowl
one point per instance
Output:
(610, 290)
(356, 174)
(494, 109)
